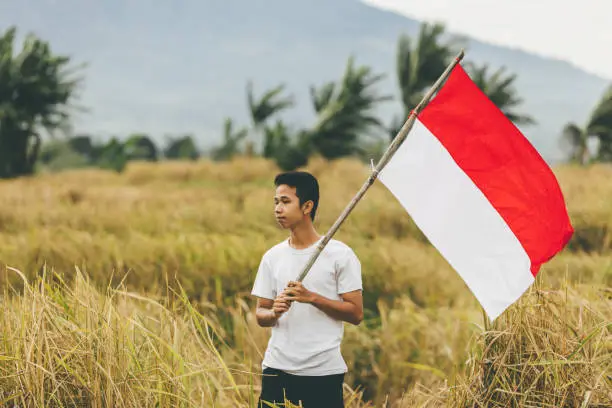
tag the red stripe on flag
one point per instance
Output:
(503, 164)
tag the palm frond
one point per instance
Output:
(321, 97)
(600, 121)
(499, 88)
(574, 143)
(269, 104)
(345, 111)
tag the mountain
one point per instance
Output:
(183, 66)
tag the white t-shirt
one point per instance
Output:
(305, 340)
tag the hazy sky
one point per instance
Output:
(576, 31)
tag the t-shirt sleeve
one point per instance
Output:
(264, 285)
(349, 273)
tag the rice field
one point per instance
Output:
(132, 289)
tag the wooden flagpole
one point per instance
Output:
(397, 141)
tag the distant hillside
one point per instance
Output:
(183, 66)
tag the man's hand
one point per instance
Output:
(296, 292)
(280, 305)
(349, 309)
(269, 311)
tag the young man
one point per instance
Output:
(303, 361)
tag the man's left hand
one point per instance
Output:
(295, 291)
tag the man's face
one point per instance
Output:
(287, 207)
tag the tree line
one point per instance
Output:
(38, 89)
(84, 151)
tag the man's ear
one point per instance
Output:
(307, 207)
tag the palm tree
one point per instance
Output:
(268, 105)
(36, 90)
(321, 97)
(499, 88)
(598, 128)
(231, 141)
(139, 146)
(419, 63)
(290, 149)
(575, 142)
(344, 111)
(180, 148)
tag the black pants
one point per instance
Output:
(312, 391)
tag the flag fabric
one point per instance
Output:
(480, 192)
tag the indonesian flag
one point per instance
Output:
(480, 193)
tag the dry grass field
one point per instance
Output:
(132, 290)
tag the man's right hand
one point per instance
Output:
(268, 311)
(280, 306)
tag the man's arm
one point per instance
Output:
(268, 311)
(349, 309)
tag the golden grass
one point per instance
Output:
(75, 345)
(161, 312)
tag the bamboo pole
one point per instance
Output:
(397, 141)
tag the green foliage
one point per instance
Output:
(81, 151)
(500, 90)
(269, 104)
(289, 150)
(231, 141)
(420, 62)
(181, 148)
(296, 155)
(36, 88)
(345, 112)
(321, 97)
(600, 125)
(261, 110)
(82, 144)
(276, 139)
(59, 155)
(575, 139)
(111, 155)
(140, 147)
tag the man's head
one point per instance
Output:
(296, 198)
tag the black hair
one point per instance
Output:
(306, 187)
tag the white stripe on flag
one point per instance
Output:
(458, 220)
